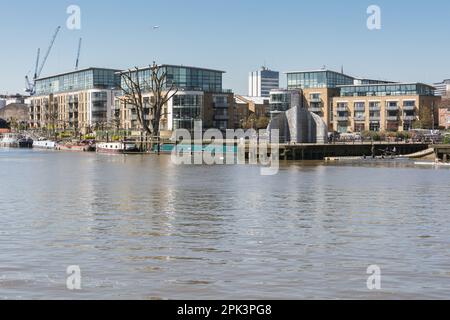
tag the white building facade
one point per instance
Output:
(262, 82)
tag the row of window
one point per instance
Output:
(319, 79)
(362, 105)
(374, 126)
(183, 78)
(77, 81)
(387, 90)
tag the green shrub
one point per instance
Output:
(376, 137)
(65, 135)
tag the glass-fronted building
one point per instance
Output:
(187, 108)
(283, 100)
(79, 100)
(317, 79)
(185, 78)
(394, 89)
(86, 79)
(200, 96)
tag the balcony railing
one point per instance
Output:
(360, 108)
(409, 118)
(221, 105)
(375, 118)
(392, 118)
(375, 108)
(342, 118)
(315, 109)
(392, 108)
(342, 108)
(315, 100)
(360, 118)
(221, 117)
(409, 108)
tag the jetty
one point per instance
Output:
(442, 152)
(359, 150)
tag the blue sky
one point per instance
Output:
(236, 36)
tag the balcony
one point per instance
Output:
(409, 108)
(220, 117)
(375, 108)
(315, 100)
(342, 108)
(342, 118)
(375, 118)
(221, 105)
(360, 108)
(409, 118)
(392, 108)
(360, 118)
(392, 118)
(315, 109)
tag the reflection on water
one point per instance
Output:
(141, 227)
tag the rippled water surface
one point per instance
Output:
(143, 228)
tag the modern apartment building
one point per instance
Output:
(281, 100)
(385, 107)
(318, 89)
(261, 82)
(200, 96)
(349, 104)
(442, 88)
(79, 100)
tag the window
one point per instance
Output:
(374, 126)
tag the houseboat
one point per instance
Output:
(44, 144)
(13, 140)
(84, 146)
(116, 148)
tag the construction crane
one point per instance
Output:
(37, 63)
(78, 54)
(48, 51)
(31, 85)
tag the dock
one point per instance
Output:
(442, 152)
(324, 151)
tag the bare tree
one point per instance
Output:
(161, 91)
(52, 119)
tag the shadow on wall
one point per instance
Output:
(3, 124)
(298, 125)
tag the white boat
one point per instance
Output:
(44, 144)
(116, 147)
(14, 140)
(9, 140)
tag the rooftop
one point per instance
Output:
(170, 65)
(76, 71)
(385, 84)
(247, 99)
(317, 70)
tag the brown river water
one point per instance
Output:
(140, 227)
